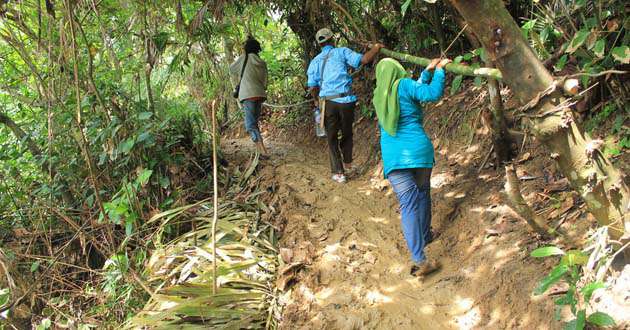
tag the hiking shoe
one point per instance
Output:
(340, 178)
(425, 268)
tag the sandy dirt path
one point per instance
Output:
(355, 272)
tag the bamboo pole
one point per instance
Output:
(451, 67)
(215, 206)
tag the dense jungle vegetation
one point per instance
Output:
(106, 169)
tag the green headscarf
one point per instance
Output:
(388, 75)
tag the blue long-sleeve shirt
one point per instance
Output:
(336, 79)
(411, 147)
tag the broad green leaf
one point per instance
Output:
(529, 25)
(578, 323)
(45, 324)
(577, 41)
(588, 290)
(126, 146)
(599, 48)
(5, 294)
(621, 54)
(457, 82)
(405, 6)
(547, 251)
(561, 63)
(35, 266)
(144, 176)
(574, 257)
(554, 276)
(128, 227)
(144, 136)
(601, 319)
(568, 299)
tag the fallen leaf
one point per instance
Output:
(526, 156)
(286, 254)
(287, 275)
(491, 232)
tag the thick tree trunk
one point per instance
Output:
(501, 138)
(601, 185)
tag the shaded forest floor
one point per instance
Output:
(347, 265)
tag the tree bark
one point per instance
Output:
(501, 138)
(578, 157)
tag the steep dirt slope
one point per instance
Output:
(351, 266)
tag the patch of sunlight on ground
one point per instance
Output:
(495, 316)
(469, 272)
(324, 294)
(464, 303)
(469, 320)
(476, 243)
(478, 209)
(330, 253)
(391, 289)
(504, 255)
(455, 194)
(478, 274)
(366, 190)
(379, 220)
(427, 309)
(440, 179)
(396, 268)
(375, 297)
(307, 293)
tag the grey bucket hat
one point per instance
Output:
(323, 35)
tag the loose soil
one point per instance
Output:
(346, 261)
(355, 272)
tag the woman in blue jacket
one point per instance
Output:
(406, 149)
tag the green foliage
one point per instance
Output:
(569, 270)
(621, 54)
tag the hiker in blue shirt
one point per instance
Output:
(330, 84)
(407, 151)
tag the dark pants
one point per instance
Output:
(252, 114)
(339, 116)
(413, 189)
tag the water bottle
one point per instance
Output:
(319, 130)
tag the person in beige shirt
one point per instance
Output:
(252, 90)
